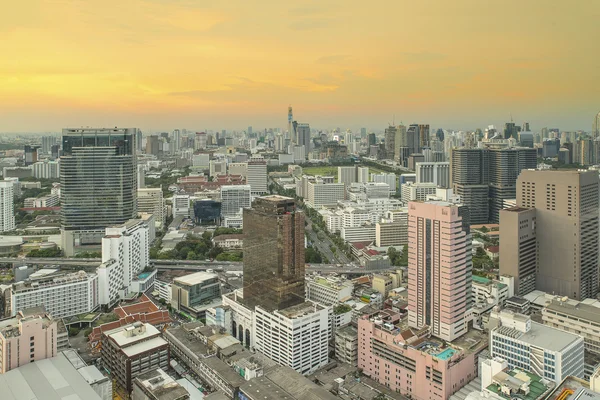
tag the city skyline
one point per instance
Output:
(465, 64)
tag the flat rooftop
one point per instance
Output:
(144, 346)
(195, 278)
(541, 336)
(50, 379)
(300, 310)
(536, 387)
(576, 309)
(118, 334)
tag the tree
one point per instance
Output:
(191, 256)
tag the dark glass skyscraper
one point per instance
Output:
(273, 253)
(98, 183)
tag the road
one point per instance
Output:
(324, 245)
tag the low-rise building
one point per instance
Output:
(132, 350)
(190, 292)
(328, 290)
(383, 284)
(412, 362)
(548, 352)
(346, 345)
(231, 241)
(157, 385)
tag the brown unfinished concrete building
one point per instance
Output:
(273, 253)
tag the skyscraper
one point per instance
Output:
(303, 137)
(596, 126)
(439, 268)
(273, 253)
(566, 204)
(98, 183)
(257, 176)
(176, 140)
(7, 211)
(469, 171)
(510, 130)
(31, 154)
(518, 247)
(390, 142)
(291, 133)
(372, 139)
(424, 135)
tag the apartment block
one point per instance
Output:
(319, 193)
(346, 345)
(257, 177)
(519, 247)
(416, 191)
(132, 350)
(567, 210)
(7, 212)
(31, 335)
(433, 172)
(550, 353)
(391, 233)
(62, 295)
(439, 267)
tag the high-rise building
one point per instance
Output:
(7, 208)
(413, 138)
(505, 166)
(518, 247)
(234, 198)
(257, 177)
(273, 253)
(150, 200)
(567, 204)
(46, 169)
(439, 268)
(423, 135)
(181, 205)
(510, 130)
(469, 171)
(176, 140)
(362, 174)
(47, 143)
(31, 154)
(596, 126)
(433, 172)
(347, 175)
(152, 145)
(200, 142)
(319, 193)
(98, 183)
(390, 142)
(372, 139)
(303, 137)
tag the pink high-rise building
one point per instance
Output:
(31, 335)
(412, 362)
(439, 268)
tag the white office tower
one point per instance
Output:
(176, 141)
(346, 175)
(257, 176)
(391, 179)
(548, 352)
(362, 174)
(433, 172)
(151, 201)
(7, 209)
(296, 336)
(234, 198)
(125, 254)
(181, 205)
(46, 169)
(299, 153)
(63, 295)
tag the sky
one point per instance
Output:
(204, 64)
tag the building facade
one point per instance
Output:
(7, 209)
(567, 210)
(439, 268)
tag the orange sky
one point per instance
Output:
(206, 64)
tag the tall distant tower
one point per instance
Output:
(273, 253)
(596, 126)
(291, 133)
(439, 267)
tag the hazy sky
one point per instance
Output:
(204, 64)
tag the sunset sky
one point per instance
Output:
(204, 64)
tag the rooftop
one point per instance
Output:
(52, 378)
(576, 309)
(300, 310)
(195, 278)
(144, 346)
(161, 385)
(541, 336)
(123, 339)
(515, 377)
(572, 388)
